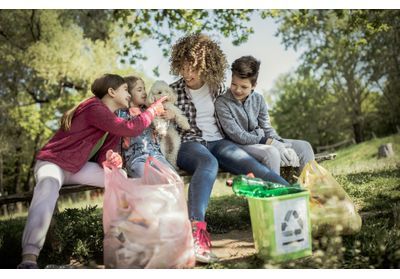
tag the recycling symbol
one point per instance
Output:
(292, 225)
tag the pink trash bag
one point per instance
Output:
(145, 220)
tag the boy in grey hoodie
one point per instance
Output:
(243, 114)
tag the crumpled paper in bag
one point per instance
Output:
(146, 226)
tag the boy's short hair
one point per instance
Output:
(246, 67)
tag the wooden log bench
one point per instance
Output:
(289, 173)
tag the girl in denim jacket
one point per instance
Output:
(135, 150)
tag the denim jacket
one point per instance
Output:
(143, 144)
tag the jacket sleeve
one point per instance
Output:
(231, 128)
(265, 123)
(102, 118)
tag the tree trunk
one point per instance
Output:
(358, 132)
(354, 98)
(17, 165)
(28, 186)
(1, 175)
(3, 210)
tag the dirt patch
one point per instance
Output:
(229, 247)
(233, 245)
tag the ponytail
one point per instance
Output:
(66, 119)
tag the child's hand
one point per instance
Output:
(134, 111)
(113, 159)
(126, 141)
(157, 107)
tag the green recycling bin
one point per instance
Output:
(281, 226)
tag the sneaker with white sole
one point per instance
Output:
(202, 243)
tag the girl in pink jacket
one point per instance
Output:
(74, 155)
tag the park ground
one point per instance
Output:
(373, 184)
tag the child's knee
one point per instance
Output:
(49, 181)
(307, 149)
(209, 162)
(48, 188)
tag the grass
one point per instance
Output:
(373, 190)
(373, 184)
(363, 157)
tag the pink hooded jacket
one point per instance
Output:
(92, 119)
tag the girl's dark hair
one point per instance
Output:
(246, 67)
(131, 81)
(99, 88)
(101, 85)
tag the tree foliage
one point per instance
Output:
(307, 110)
(48, 62)
(348, 79)
(167, 25)
(342, 51)
(50, 57)
(383, 59)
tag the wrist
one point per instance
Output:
(263, 140)
(152, 111)
(269, 141)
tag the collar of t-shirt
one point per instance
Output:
(205, 110)
(200, 93)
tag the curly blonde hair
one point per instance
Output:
(201, 54)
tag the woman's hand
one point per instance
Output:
(168, 114)
(113, 159)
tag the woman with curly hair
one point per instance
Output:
(201, 65)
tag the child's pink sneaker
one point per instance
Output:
(202, 243)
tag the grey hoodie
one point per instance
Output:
(245, 123)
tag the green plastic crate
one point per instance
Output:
(281, 226)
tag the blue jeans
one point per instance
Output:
(135, 168)
(203, 161)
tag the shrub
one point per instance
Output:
(76, 234)
(10, 242)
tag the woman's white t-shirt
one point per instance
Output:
(205, 109)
